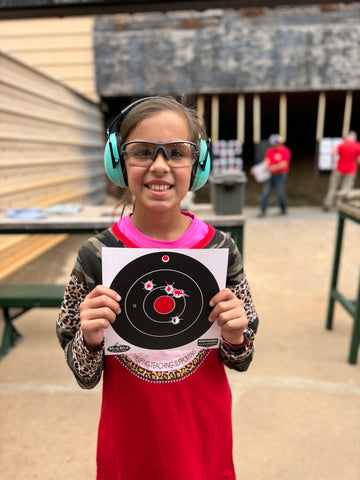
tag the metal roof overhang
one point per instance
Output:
(16, 9)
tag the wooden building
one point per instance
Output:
(51, 152)
(60, 47)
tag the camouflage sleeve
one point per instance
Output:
(236, 280)
(86, 366)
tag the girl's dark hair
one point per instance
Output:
(159, 104)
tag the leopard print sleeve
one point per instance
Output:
(237, 282)
(86, 366)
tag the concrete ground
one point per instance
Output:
(296, 412)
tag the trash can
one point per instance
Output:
(227, 192)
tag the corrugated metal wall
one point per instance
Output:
(51, 151)
(60, 47)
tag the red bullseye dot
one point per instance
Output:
(164, 305)
(165, 258)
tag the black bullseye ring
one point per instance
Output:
(164, 300)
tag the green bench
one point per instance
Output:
(22, 298)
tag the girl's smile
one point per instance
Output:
(158, 187)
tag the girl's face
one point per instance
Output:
(159, 188)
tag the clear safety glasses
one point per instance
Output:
(178, 154)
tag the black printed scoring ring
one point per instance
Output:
(164, 300)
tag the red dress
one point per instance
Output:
(177, 428)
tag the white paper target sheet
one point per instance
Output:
(165, 297)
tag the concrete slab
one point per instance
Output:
(296, 412)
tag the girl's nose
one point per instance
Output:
(160, 163)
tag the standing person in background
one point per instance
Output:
(345, 171)
(277, 162)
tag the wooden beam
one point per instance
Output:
(321, 116)
(52, 8)
(256, 118)
(283, 115)
(215, 118)
(347, 113)
(240, 123)
(201, 108)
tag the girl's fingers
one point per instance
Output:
(230, 315)
(100, 290)
(107, 313)
(102, 303)
(101, 297)
(226, 306)
(224, 294)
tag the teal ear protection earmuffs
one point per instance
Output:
(115, 163)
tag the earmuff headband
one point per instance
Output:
(114, 126)
(115, 164)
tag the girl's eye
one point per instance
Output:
(144, 153)
(176, 153)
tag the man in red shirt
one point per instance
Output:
(345, 171)
(277, 161)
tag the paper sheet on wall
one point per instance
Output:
(164, 298)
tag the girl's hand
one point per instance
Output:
(97, 311)
(229, 312)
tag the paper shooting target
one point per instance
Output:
(164, 296)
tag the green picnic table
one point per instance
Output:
(350, 212)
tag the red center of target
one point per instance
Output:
(164, 304)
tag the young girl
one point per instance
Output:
(168, 417)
